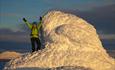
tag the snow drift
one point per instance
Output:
(69, 41)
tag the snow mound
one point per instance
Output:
(69, 41)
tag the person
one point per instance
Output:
(34, 27)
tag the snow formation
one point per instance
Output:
(69, 41)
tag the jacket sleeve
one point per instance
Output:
(39, 25)
(28, 24)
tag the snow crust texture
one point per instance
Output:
(69, 41)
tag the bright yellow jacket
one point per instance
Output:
(34, 32)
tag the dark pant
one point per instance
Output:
(34, 42)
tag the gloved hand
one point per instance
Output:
(24, 20)
(40, 18)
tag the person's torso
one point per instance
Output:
(34, 32)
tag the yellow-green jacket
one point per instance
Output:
(34, 32)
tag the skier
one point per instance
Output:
(34, 27)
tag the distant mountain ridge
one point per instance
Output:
(9, 55)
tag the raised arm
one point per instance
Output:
(27, 23)
(40, 23)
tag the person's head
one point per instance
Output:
(34, 24)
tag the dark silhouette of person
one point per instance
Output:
(34, 27)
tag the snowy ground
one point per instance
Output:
(3, 61)
(58, 68)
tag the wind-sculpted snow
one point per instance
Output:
(69, 41)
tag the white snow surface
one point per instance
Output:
(69, 41)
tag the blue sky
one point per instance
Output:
(99, 13)
(12, 11)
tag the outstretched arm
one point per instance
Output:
(40, 23)
(27, 23)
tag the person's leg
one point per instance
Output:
(38, 44)
(33, 44)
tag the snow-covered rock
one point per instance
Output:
(69, 41)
